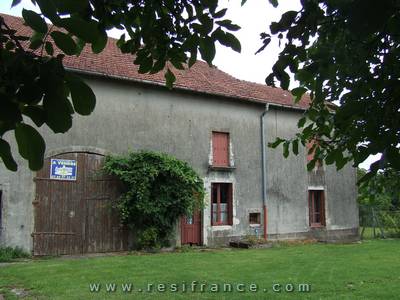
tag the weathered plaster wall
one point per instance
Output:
(287, 193)
(131, 117)
(286, 178)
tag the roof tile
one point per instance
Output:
(199, 78)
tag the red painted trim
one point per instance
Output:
(265, 222)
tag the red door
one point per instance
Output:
(191, 229)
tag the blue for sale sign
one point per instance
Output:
(63, 169)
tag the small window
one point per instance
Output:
(254, 218)
(220, 146)
(316, 202)
(221, 208)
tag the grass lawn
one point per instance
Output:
(370, 270)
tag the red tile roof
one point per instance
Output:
(199, 78)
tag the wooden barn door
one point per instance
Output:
(74, 217)
(191, 229)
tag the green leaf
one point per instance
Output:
(301, 122)
(86, 30)
(393, 155)
(58, 113)
(145, 63)
(295, 146)
(169, 78)
(311, 164)
(64, 42)
(31, 145)
(207, 49)
(330, 158)
(288, 18)
(193, 58)
(220, 14)
(274, 2)
(35, 21)
(15, 3)
(83, 98)
(9, 112)
(227, 39)
(49, 48)
(367, 177)
(340, 160)
(36, 40)
(6, 156)
(99, 45)
(207, 23)
(275, 144)
(286, 149)
(36, 113)
(158, 66)
(71, 6)
(228, 25)
(298, 93)
(49, 10)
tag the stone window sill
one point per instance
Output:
(221, 168)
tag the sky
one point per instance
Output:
(254, 17)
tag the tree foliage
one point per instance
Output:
(35, 85)
(345, 53)
(382, 191)
(158, 190)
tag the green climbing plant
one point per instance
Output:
(159, 189)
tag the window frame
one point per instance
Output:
(229, 219)
(214, 157)
(311, 209)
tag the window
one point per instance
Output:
(220, 146)
(254, 218)
(221, 200)
(316, 204)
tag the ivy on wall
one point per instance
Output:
(158, 190)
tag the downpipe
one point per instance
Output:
(264, 171)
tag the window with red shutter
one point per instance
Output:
(316, 203)
(221, 204)
(220, 143)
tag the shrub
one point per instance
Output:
(9, 253)
(158, 190)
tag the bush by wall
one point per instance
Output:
(9, 253)
(158, 190)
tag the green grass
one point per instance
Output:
(369, 270)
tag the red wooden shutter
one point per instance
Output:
(220, 141)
